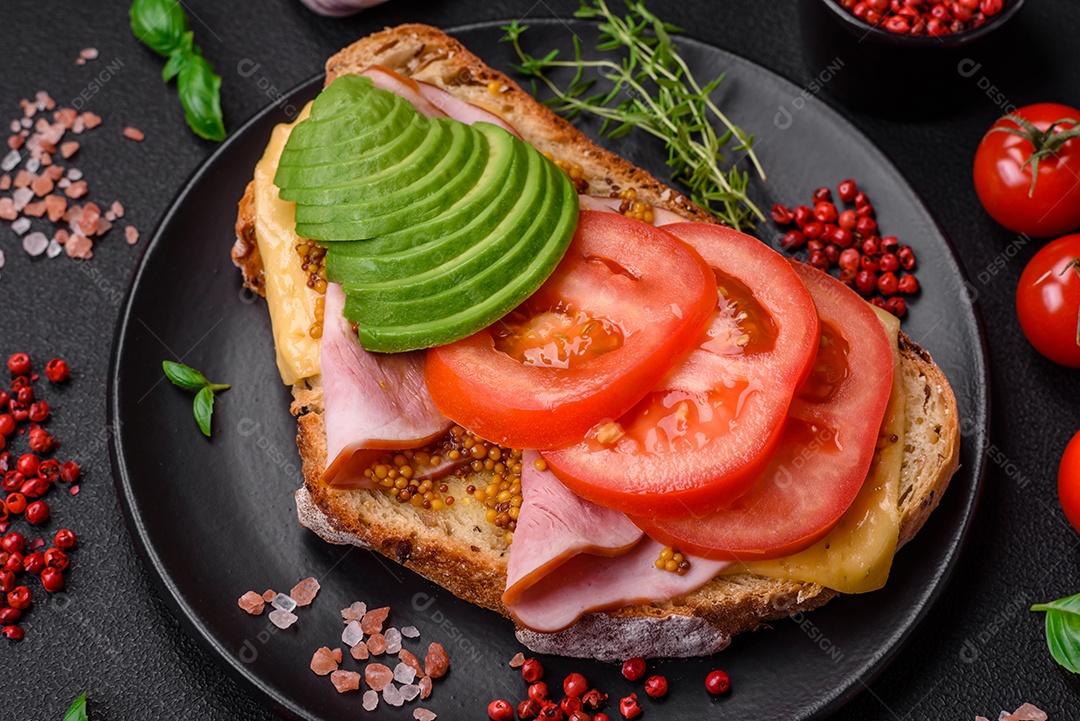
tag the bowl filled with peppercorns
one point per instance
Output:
(933, 23)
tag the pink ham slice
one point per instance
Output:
(373, 402)
(661, 216)
(554, 526)
(433, 101)
(590, 584)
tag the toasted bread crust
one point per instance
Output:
(465, 560)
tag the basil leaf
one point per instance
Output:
(77, 710)
(180, 57)
(200, 93)
(183, 376)
(204, 409)
(158, 24)
(1063, 630)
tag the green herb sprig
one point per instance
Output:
(192, 380)
(162, 26)
(1063, 630)
(653, 89)
(77, 710)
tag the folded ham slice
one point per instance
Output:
(373, 402)
(588, 584)
(432, 101)
(554, 526)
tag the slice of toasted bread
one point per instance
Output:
(455, 547)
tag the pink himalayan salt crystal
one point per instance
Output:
(323, 661)
(304, 592)
(517, 661)
(371, 700)
(252, 602)
(425, 687)
(345, 681)
(409, 659)
(116, 209)
(79, 246)
(422, 714)
(281, 618)
(89, 53)
(268, 595)
(437, 662)
(337, 655)
(374, 619)
(355, 612)
(1027, 712)
(378, 676)
(377, 644)
(393, 695)
(74, 490)
(360, 651)
(131, 235)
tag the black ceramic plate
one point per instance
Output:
(215, 518)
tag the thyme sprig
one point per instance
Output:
(653, 89)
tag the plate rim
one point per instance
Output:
(283, 705)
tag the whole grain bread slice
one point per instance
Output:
(455, 547)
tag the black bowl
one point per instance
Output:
(900, 76)
(865, 32)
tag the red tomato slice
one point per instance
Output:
(625, 303)
(702, 436)
(826, 449)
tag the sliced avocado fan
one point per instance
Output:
(435, 229)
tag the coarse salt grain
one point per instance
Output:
(410, 691)
(116, 209)
(54, 249)
(378, 676)
(10, 161)
(134, 134)
(89, 53)
(374, 619)
(393, 696)
(79, 246)
(352, 634)
(393, 640)
(21, 225)
(422, 714)
(323, 662)
(33, 165)
(68, 149)
(410, 632)
(2, 260)
(250, 601)
(21, 197)
(74, 490)
(404, 673)
(281, 618)
(74, 174)
(283, 602)
(268, 595)
(426, 687)
(371, 700)
(345, 681)
(517, 661)
(304, 592)
(410, 659)
(354, 612)
(360, 652)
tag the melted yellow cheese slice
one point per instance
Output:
(856, 555)
(291, 302)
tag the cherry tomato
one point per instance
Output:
(1069, 482)
(701, 437)
(1048, 301)
(624, 304)
(1004, 183)
(827, 446)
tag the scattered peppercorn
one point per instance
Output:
(717, 682)
(500, 710)
(634, 669)
(64, 539)
(656, 687)
(924, 19)
(532, 670)
(57, 371)
(19, 364)
(630, 707)
(539, 691)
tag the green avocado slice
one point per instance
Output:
(464, 156)
(393, 214)
(389, 299)
(293, 178)
(433, 331)
(435, 151)
(419, 248)
(368, 138)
